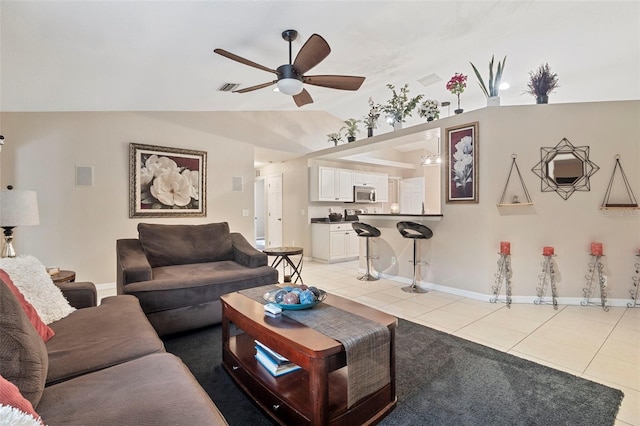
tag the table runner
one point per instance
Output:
(366, 343)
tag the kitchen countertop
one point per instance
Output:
(402, 216)
(326, 220)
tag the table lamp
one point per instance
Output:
(17, 208)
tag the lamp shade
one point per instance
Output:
(18, 208)
(290, 86)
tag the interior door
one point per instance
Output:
(260, 210)
(274, 211)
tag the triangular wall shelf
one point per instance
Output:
(632, 204)
(502, 202)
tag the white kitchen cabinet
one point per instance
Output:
(330, 184)
(364, 179)
(382, 187)
(334, 242)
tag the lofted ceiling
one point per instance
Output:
(150, 56)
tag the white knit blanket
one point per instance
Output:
(35, 284)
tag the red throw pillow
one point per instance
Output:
(43, 329)
(11, 396)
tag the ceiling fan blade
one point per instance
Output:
(256, 87)
(312, 53)
(303, 98)
(342, 82)
(243, 60)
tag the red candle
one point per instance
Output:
(505, 247)
(547, 251)
(596, 249)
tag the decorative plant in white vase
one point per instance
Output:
(429, 110)
(491, 92)
(400, 106)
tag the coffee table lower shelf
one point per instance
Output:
(287, 398)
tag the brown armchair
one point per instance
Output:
(179, 272)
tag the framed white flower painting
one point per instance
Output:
(167, 182)
(462, 163)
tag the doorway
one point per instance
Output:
(274, 211)
(260, 206)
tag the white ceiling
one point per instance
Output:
(158, 56)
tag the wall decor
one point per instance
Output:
(167, 182)
(462, 152)
(547, 278)
(565, 169)
(515, 201)
(630, 202)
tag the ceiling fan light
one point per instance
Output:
(290, 86)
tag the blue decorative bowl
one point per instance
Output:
(270, 297)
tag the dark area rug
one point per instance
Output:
(441, 380)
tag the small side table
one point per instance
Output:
(64, 277)
(283, 254)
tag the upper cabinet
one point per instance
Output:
(330, 184)
(333, 184)
(381, 184)
(364, 179)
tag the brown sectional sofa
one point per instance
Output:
(179, 272)
(105, 365)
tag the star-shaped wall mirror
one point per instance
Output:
(565, 169)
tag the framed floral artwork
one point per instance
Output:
(462, 163)
(167, 182)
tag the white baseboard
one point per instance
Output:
(574, 301)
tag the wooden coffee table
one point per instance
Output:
(316, 394)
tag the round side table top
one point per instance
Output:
(281, 251)
(64, 277)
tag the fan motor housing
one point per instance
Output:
(288, 71)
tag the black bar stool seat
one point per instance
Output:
(367, 231)
(414, 231)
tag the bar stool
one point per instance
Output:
(415, 231)
(367, 231)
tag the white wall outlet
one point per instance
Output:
(393, 260)
(245, 212)
(302, 212)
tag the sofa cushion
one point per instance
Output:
(43, 329)
(23, 355)
(14, 408)
(95, 338)
(166, 245)
(33, 281)
(189, 285)
(156, 389)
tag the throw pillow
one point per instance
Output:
(14, 409)
(23, 355)
(30, 277)
(166, 245)
(43, 329)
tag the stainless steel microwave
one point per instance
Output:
(364, 194)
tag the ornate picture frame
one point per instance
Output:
(167, 182)
(461, 154)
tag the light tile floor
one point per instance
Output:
(585, 341)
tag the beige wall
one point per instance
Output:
(79, 225)
(463, 251)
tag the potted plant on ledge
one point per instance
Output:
(541, 83)
(456, 86)
(429, 110)
(491, 92)
(399, 107)
(371, 119)
(335, 138)
(351, 129)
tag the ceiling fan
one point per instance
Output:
(291, 76)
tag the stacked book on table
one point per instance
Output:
(273, 362)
